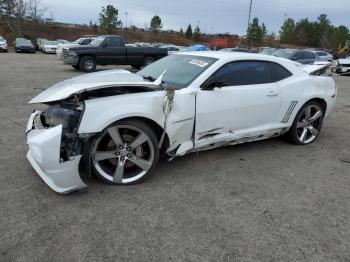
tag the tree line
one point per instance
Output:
(320, 33)
(14, 13)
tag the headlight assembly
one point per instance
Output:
(67, 115)
(71, 53)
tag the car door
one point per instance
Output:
(244, 107)
(118, 51)
(308, 57)
(112, 52)
(298, 57)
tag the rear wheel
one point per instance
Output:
(87, 64)
(307, 124)
(148, 60)
(125, 153)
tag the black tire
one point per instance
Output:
(137, 67)
(87, 64)
(148, 60)
(97, 142)
(294, 134)
(76, 67)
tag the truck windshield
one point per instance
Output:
(182, 70)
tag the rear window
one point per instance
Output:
(279, 72)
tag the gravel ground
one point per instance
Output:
(263, 201)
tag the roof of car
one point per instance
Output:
(240, 56)
(223, 54)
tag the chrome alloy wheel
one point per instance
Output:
(89, 64)
(123, 154)
(309, 124)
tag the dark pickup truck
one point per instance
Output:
(110, 50)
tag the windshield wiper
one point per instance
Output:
(150, 78)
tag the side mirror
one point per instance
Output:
(213, 83)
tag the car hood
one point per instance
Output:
(50, 46)
(24, 45)
(344, 61)
(69, 45)
(80, 84)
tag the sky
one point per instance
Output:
(213, 16)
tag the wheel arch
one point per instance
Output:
(83, 55)
(156, 128)
(321, 101)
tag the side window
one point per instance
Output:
(297, 56)
(244, 73)
(321, 54)
(279, 72)
(309, 55)
(114, 42)
(85, 42)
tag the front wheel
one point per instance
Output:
(87, 64)
(307, 124)
(124, 153)
(148, 61)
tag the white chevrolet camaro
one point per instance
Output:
(116, 124)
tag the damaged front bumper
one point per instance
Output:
(44, 156)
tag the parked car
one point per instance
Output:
(301, 56)
(41, 43)
(139, 44)
(117, 124)
(237, 49)
(23, 45)
(267, 51)
(110, 50)
(78, 42)
(172, 49)
(343, 66)
(38, 43)
(197, 48)
(50, 47)
(3, 44)
(323, 56)
(63, 41)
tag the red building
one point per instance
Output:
(218, 42)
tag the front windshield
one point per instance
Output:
(24, 41)
(97, 42)
(51, 43)
(1, 38)
(77, 41)
(182, 70)
(283, 53)
(267, 51)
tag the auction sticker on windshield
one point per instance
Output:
(198, 62)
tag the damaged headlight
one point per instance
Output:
(67, 115)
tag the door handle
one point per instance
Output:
(272, 93)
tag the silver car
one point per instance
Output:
(323, 56)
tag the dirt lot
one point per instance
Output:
(264, 201)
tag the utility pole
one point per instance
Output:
(250, 13)
(126, 19)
